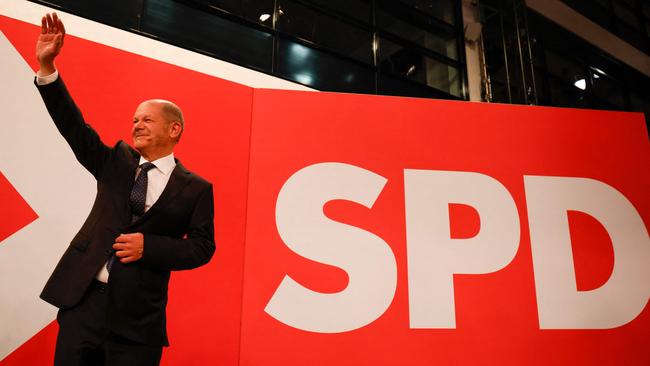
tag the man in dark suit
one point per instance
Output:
(151, 216)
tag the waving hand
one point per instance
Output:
(49, 43)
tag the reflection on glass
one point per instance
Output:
(304, 78)
(404, 62)
(358, 9)
(441, 9)
(565, 97)
(199, 30)
(123, 14)
(256, 10)
(310, 25)
(321, 70)
(607, 89)
(299, 53)
(566, 70)
(440, 42)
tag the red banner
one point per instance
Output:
(428, 209)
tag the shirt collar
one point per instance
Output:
(165, 164)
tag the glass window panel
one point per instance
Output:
(259, 11)
(404, 62)
(323, 30)
(389, 85)
(627, 15)
(321, 70)
(566, 97)
(607, 89)
(499, 91)
(602, 3)
(537, 51)
(635, 37)
(540, 87)
(119, 13)
(638, 103)
(441, 9)
(600, 16)
(566, 70)
(646, 9)
(358, 9)
(441, 42)
(630, 3)
(195, 29)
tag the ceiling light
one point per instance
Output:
(598, 70)
(581, 84)
(410, 70)
(264, 17)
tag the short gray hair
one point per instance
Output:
(172, 113)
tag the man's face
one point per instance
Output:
(151, 130)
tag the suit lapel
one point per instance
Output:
(178, 180)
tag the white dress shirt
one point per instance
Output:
(157, 177)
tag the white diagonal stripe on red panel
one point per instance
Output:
(39, 164)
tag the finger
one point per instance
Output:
(43, 25)
(129, 259)
(49, 23)
(55, 22)
(61, 26)
(124, 253)
(129, 237)
(123, 238)
(119, 246)
(62, 30)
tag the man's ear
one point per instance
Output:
(175, 130)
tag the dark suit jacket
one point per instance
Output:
(178, 230)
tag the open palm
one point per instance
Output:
(50, 41)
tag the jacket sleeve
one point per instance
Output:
(170, 254)
(88, 148)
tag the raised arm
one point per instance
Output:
(84, 141)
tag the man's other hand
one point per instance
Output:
(49, 43)
(129, 247)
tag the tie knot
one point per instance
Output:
(145, 167)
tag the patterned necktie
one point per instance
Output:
(139, 191)
(138, 197)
